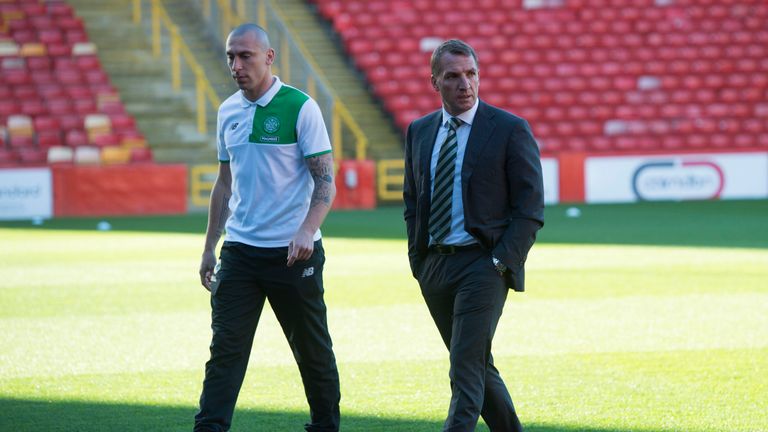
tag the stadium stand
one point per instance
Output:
(57, 104)
(589, 75)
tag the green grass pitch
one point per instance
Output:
(644, 318)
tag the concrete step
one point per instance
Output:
(164, 153)
(180, 132)
(171, 109)
(140, 89)
(347, 83)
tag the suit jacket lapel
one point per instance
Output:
(482, 129)
(426, 146)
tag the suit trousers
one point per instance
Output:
(248, 276)
(465, 296)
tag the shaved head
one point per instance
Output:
(249, 28)
(250, 59)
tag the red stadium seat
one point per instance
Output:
(59, 9)
(32, 156)
(49, 36)
(25, 92)
(31, 8)
(16, 77)
(50, 90)
(141, 154)
(38, 63)
(49, 138)
(8, 107)
(59, 106)
(70, 23)
(70, 121)
(23, 34)
(21, 141)
(85, 106)
(78, 92)
(69, 77)
(75, 137)
(34, 107)
(42, 123)
(59, 49)
(106, 140)
(75, 36)
(111, 107)
(122, 122)
(8, 157)
(87, 62)
(96, 76)
(64, 63)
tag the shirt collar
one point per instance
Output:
(467, 116)
(266, 98)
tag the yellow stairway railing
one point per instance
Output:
(179, 54)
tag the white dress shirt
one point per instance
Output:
(458, 235)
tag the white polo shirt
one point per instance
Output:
(266, 143)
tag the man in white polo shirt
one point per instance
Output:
(273, 191)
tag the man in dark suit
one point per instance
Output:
(473, 203)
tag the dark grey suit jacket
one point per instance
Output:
(502, 188)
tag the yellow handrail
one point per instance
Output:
(178, 51)
(136, 12)
(228, 19)
(340, 112)
(361, 144)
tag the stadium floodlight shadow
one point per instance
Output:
(21, 415)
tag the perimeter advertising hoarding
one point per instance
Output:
(676, 177)
(551, 174)
(26, 193)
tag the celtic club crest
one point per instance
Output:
(271, 124)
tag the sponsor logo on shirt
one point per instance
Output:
(269, 138)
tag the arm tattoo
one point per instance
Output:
(321, 170)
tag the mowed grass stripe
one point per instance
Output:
(147, 342)
(696, 391)
(92, 273)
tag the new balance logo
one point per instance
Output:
(309, 271)
(234, 126)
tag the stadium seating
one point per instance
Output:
(589, 75)
(54, 95)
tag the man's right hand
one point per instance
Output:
(207, 263)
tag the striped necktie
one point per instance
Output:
(442, 196)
